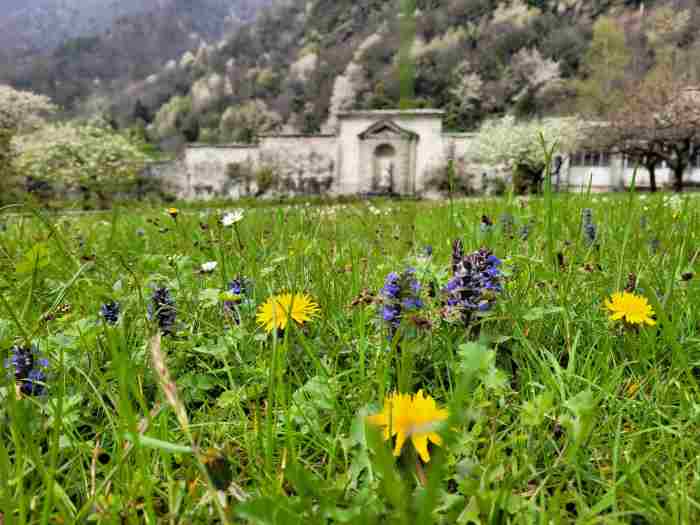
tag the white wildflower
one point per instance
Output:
(209, 267)
(231, 218)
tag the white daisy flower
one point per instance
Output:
(231, 218)
(209, 267)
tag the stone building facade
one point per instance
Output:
(372, 152)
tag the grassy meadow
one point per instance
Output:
(116, 407)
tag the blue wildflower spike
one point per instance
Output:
(475, 283)
(240, 287)
(163, 309)
(28, 369)
(457, 254)
(110, 312)
(589, 228)
(400, 294)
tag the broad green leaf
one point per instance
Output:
(37, 257)
(209, 297)
(535, 410)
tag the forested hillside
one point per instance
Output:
(36, 25)
(71, 49)
(303, 61)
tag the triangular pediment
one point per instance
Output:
(387, 129)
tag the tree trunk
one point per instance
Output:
(527, 180)
(678, 172)
(651, 168)
(680, 160)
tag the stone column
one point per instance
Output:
(616, 173)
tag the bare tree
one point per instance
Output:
(659, 121)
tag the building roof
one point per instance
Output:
(297, 135)
(387, 125)
(230, 145)
(385, 113)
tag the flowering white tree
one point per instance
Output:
(515, 12)
(23, 110)
(20, 111)
(530, 68)
(243, 123)
(165, 123)
(517, 146)
(92, 156)
(468, 87)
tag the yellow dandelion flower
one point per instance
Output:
(173, 212)
(410, 416)
(278, 309)
(633, 309)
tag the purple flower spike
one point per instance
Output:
(475, 282)
(240, 287)
(163, 308)
(28, 369)
(110, 312)
(401, 293)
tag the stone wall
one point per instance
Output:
(618, 176)
(210, 168)
(408, 148)
(171, 177)
(457, 144)
(281, 164)
(478, 177)
(301, 164)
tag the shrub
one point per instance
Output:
(265, 179)
(453, 176)
(240, 174)
(244, 123)
(90, 158)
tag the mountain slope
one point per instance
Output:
(68, 49)
(40, 25)
(303, 61)
(300, 64)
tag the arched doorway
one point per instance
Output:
(384, 178)
(387, 159)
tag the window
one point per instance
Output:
(590, 159)
(695, 158)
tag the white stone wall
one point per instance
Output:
(457, 143)
(170, 176)
(206, 167)
(351, 173)
(618, 176)
(479, 176)
(579, 178)
(693, 176)
(303, 164)
(664, 177)
(430, 153)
